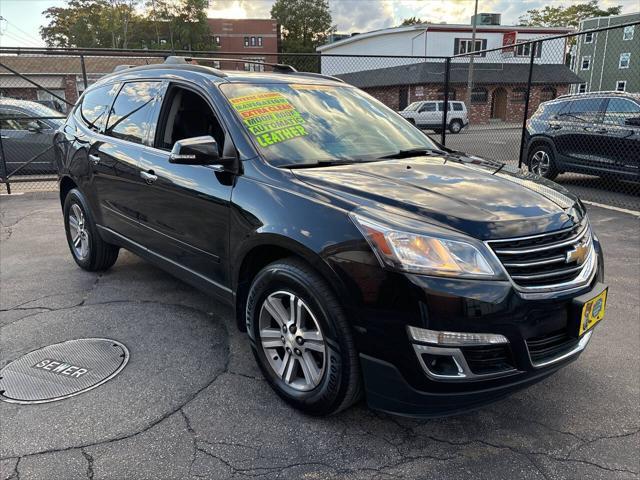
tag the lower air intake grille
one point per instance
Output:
(550, 346)
(488, 359)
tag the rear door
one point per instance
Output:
(116, 151)
(577, 131)
(621, 144)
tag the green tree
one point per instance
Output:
(305, 25)
(551, 16)
(411, 21)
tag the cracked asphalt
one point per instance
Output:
(192, 404)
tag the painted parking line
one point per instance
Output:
(635, 213)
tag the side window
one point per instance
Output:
(185, 114)
(12, 120)
(619, 110)
(586, 110)
(428, 107)
(131, 112)
(93, 110)
(550, 110)
(457, 106)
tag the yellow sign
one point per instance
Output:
(592, 312)
(270, 117)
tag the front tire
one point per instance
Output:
(301, 339)
(542, 162)
(88, 249)
(455, 126)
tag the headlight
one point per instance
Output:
(430, 252)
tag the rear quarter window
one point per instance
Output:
(458, 107)
(94, 107)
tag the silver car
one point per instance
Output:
(428, 114)
(27, 132)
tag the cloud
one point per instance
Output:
(366, 15)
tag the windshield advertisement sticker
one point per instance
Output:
(270, 117)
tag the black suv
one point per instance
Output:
(594, 133)
(359, 257)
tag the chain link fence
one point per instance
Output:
(565, 107)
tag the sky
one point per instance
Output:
(23, 18)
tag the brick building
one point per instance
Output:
(257, 40)
(499, 89)
(60, 74)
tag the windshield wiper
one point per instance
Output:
(414, 152)
(326, 163)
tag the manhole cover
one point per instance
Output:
(62, 370)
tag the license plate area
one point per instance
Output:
(590, 309)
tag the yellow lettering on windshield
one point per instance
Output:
(270, 117)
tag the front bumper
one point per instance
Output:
(541, 337)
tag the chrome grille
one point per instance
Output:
(549, 260)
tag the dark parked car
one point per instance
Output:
(595, 133)
(359, 258)
(25, 135)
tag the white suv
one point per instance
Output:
(428, 114)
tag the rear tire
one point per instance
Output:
(88, 249)
(309, 357)
(542, 162)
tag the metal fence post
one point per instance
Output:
(84, 72)
(534, 48)
(445, 105)
(4, 168)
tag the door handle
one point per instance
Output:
(555, 127)
(149, 176)
(595, 130)
(95, 159)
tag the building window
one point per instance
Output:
(625, 58)
(253, 41)
(216, 64)
(246, 41)
(547, 93)
(440, 94)
(582, 88)
(586, 62)
(588, 37)
(525, 50)
(254, 67)
(519, 95)
(463, 45)
(621, 86)
(627, 33)
(217, 40)
(259, 41)
(479, 95)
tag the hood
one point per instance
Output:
(476, 197)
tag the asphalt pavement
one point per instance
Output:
(191, 402)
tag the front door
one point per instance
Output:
(622, 141)
(428, 115)
(184, 209)
(403, 98)
(499, 104)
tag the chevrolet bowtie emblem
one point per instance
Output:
(577, 254)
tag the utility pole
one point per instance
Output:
(474, 21)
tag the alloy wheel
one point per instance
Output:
(78, 232)
(292, 340)
(540, 163)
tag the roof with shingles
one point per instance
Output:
(61, 65)
(483, 73)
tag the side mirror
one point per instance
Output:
(633, 121)
(34, 126)
(195, 151)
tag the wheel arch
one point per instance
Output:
(66, 185)
(267, 248)
(537, 141)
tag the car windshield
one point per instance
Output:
(413, 106)
(308, 124)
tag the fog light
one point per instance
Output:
(442, 365)
(454, 339)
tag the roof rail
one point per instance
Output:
(119, 68)
(599, 92)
